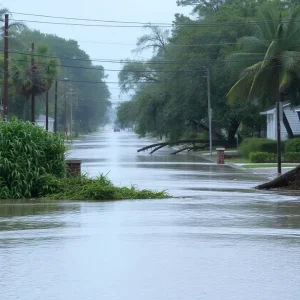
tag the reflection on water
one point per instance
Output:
(218, 239)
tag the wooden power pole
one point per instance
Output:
(5, 90)
(33, 73)
(55, 108)
(47, 111)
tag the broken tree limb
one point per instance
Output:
(180, 150)
(157, 148)
(161, 145)
(190, 149)
(289, 179)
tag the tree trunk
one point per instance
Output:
(25, 108)
(287, 126)
(234, 125)
(285, 121)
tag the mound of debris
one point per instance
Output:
(288, 181)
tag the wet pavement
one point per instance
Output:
(218, 239)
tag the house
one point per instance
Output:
(41, 121)
(292, 115)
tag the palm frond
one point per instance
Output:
(242, 60)
(253, 44)
(271, 52)
(290, 60)
(270, 17)
(239, 90)
(285, 80)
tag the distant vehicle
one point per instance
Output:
(117, 128)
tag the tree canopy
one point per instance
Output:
(85, 88)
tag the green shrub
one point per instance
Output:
(100, 188)
(292, 145)
(257, 145)
(291, 157)
(27, 154)
(262, 157)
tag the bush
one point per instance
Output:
(262, 157)
(292, 145)
(27, 154)
(100, 188)
(291, 157)
(257, 145)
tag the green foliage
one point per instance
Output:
(27, 154)
(33, 79)
(90, 100)
(262, 157)
(126, 114)
(273, 48)
(173, 103)
(100, 188)
(257, 145)
(291, 157)
(292, 145)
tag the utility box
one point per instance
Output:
(220, 156)
(74, 167)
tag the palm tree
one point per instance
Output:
(270, 60)
(12, 25)
(33, 74)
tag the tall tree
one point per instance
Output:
(270, 59)
(12, 25)
(33, 78)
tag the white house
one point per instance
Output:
(41, 121)
(293, 116)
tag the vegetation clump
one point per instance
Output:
(100, 188)
(32, 165)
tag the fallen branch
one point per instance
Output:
(188, 148)
(157, 148)
(161, 145)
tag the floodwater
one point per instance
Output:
(218, 239)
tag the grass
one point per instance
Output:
(256, 166)
(100, 189)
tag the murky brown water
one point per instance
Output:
(218, 240)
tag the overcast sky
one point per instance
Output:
(98, 42)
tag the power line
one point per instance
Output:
(117, 70)
(160, 62)
(142, 24)
(101, 82)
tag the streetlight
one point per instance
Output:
(209, 109)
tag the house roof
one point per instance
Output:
(43, 118)
(273, 109)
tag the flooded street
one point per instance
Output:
(218, 239)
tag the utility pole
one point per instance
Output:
(71, 111)
(278, 117)
(5, 90)
(33, 73)
(55, 108)
(209, 111)
(71, 116)
(65, 94)
(47, 111)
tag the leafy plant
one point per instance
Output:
(291, 157)
(292, 145)
(262, 157)
(257, 145)
(100, 188)
(27, 154)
